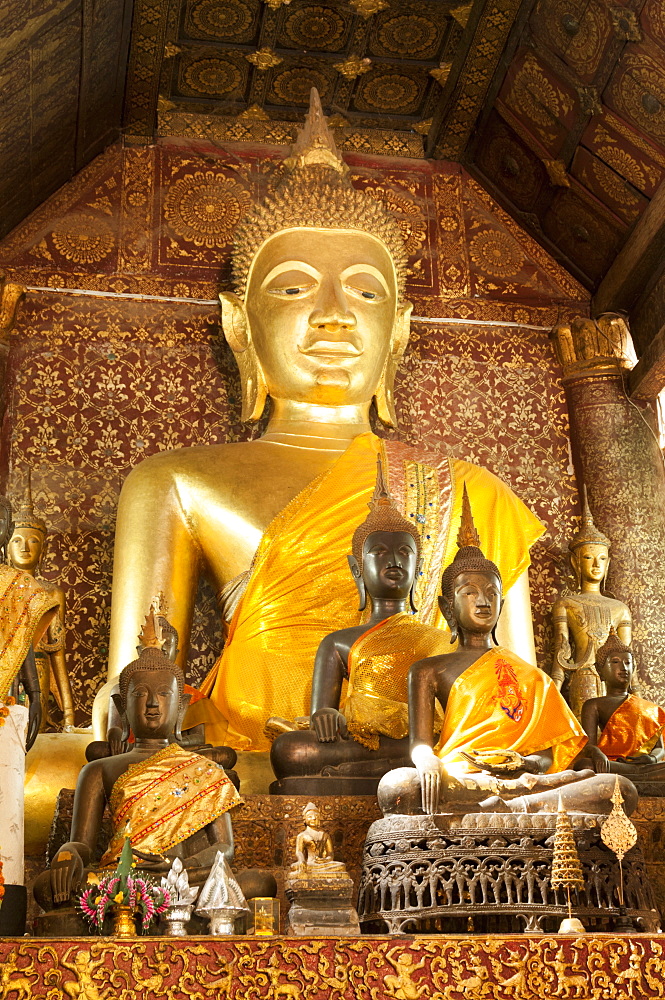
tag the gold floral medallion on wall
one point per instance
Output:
(213, 77)
(83, 239)
(496, 253)
(232, 19)
(205, 208)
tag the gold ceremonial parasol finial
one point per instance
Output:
(315, 144)
(618, 833)
(467, 534)
(151, 633)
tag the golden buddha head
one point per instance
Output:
(26, 544)
(312, 816)
(589, 550)
(319, 268)
(471, 586)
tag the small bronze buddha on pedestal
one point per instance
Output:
(353, 740)
(169, 801)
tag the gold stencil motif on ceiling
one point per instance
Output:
(640, 93)
(213, 76)
(385, 91)
(414, 33)
(232, 20)
(580, 30)
(205, 208)
(315, 27)
(293, 86)
(536, 97)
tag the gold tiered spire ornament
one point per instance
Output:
(566, 868)
(619, 834)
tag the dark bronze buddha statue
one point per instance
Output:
(508, 738)
(353, 739)
(169, 801)
(625, 732)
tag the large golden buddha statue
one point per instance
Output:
(318, 324)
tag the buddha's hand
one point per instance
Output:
(639, 758)
(66, 873)
(428, 766)
(601, 763)
(329, 725)
(115, 741)
(514, 768)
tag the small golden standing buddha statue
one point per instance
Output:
(582, 620)
(25, 552)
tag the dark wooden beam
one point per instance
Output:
(638, 265)
(647, 378)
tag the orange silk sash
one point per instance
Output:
(502, 703)
(300, 588)
(164, 799)
(376, 698)
(633, 728)
(26, 609)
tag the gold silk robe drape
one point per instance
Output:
(300, 588)
(162, 800)
(502, 703)
(633, 728)
(26, 610)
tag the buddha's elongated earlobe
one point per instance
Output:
(384, 395)
(446, 610)
(412, 592)
(182, 711)
(358, 580)
(236, 331)
(122, 712)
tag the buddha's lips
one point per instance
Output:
(334, 349)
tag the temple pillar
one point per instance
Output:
(617, 455)
(10, 297)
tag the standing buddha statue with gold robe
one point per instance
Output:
(318, 322)
(25, 551)
(582, 620)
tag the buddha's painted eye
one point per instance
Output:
(292, 291)
(369, 295)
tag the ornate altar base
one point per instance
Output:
(457, 968)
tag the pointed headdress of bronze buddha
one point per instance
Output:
(469, 558)
(384, 515)
(612, 645)
(25, 516)
(314, 194)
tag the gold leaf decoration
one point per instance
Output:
(367, 8)
(617, 832)
(264, 59)
(423, 127)
(276, 4)
(442, 73)
(353, 66)
(254, 113)
(556, 171)
(462, 14)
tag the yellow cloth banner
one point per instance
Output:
(502, 703)
(633, 728)
(26, 608)
(377, 697)
(301, 589)
(164, 799)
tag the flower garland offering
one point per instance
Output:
(122, 889)
(4, 708)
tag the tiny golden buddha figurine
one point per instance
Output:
(508, 738)
(25, 551)
(318, 323)
(625, 732)
(582, 621)
(314, 849)
(169, 801)
(351, 743)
